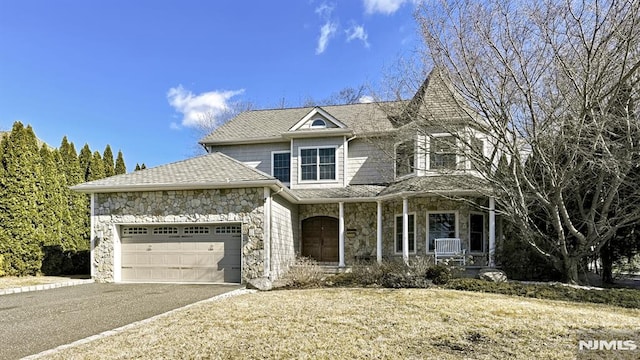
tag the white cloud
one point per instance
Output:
(196, 109)
(327, 31)
(386, 7)
(325, 10)
(357, 32)
(365, 99)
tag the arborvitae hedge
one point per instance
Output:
(40, 217)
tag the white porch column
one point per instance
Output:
(492, 231)
(267, 232)
(379, 236)
(405, 230)
(341, 233)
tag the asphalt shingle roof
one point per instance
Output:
(205, 170)
(436, 184)
(351, 191)
(259, 124)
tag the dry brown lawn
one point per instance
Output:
(363, 323)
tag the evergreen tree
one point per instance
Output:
(54, 211)
(85, 160)
(77, 233)
(20, 201)
(107, 159)
(96, 167)
(137, 167)
(121, 168)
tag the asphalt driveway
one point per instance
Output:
(36, 321)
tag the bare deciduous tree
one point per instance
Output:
(540, 79)
(210, 120)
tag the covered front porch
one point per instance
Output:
(348, 231)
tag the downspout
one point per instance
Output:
(345, 159)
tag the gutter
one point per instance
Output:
(175, 186)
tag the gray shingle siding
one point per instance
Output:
(284, 235)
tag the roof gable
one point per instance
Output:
(318, 113)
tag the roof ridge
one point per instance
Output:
(324, 105)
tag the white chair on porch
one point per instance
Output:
(451, 249)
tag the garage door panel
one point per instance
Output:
(205, 257)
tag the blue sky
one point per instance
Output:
(138, 74)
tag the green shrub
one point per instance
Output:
(392, 273)
(439, 274)
(304, 273)
(521, 262)
(629, 298)
(58, 261)
(21, 260)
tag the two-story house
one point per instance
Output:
(338, 184)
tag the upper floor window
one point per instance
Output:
(281, 166)
(443, 153)
(318, 164)
(405, 158)
(318, 123)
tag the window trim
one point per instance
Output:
(429, 141)
(318, 180)
(272, 164)
(395, 233)
(456, 220)
(484, 232)
(395, 159)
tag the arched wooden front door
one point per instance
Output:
(320, 238)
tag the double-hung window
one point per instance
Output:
(411, 233)
(318, 164)
(282, 166)
(405, 158)
(440, 225)
(442, 153)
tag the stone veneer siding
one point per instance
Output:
(361, 227)
(243, 205)
(359, 224)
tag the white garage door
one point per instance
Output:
(181, 253)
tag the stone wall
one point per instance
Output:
(420, 206)
(360, 226)
(181, 206)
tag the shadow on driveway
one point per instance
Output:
(36, 321)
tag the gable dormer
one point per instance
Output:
(317, 119)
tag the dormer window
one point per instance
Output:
(318, 124)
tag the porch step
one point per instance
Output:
(331, 269)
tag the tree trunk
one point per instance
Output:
(570, 270)
(606, 257)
